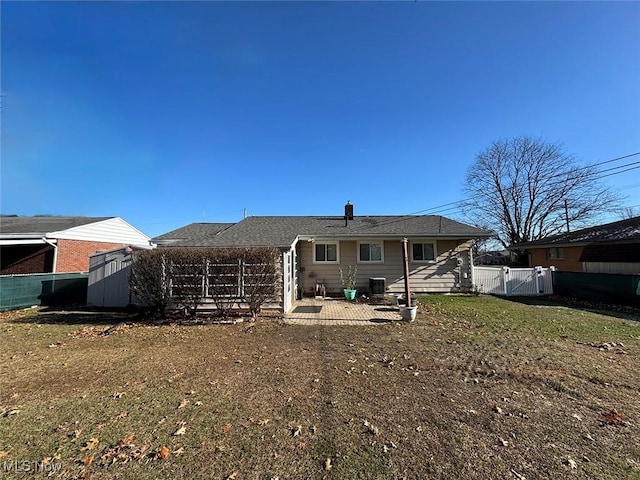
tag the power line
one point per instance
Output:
(591, 165)
(459, 204)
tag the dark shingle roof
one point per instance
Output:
(192, 232)
(40, 225)
(282, 231)
(606, 252)
(617, 232)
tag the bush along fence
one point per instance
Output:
(193, 278)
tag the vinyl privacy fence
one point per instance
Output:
(513, 281)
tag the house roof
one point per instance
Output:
(192, 232)
(605, 252)
(623, 231)
(16, 226)
(282, 231)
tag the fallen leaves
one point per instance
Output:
(612, 417)
(90, 444)
(125, 451)
(4, 453)
(371, 428)
(181, 431)
(8, 412)
(162, 454)
(227, 428)
(327, 464)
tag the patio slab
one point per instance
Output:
(331, 311)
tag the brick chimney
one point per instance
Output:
(348, 211)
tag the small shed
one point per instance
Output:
(108, 284)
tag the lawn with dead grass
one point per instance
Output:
(475, 388)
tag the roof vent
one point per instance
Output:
(348, 211)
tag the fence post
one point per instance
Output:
(505, 280)
(539, 280)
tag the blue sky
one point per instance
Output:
(167, 113)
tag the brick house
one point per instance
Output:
(608, 248)
(52, 244)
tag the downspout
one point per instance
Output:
(55, 252)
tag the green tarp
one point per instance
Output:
(18, 291)
(602, 287)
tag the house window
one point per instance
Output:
(423, 252)
(370, 252)
(555, 253)
(325, 253)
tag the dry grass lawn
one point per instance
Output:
(475, 388)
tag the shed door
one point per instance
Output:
(116, 282)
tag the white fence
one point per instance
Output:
(513, 281)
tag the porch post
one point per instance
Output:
(405, 262)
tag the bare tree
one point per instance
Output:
(628, 212)
(526, 188)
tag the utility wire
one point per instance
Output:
(459, 204)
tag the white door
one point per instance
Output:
(286, 273)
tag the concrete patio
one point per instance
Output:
(332, 311)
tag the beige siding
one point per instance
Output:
(444, 275)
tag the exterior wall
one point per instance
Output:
(22, 259)
(73, 255)
(113, 231)
(108, 284)
(441, 276)
(570, 263)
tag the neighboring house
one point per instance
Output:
(315, 247)
(52, 244)
(501, 257)
(609, 248)
(191, 232)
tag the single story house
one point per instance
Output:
(56, 244)
(609, 248)
(192, 232)
(314, 248)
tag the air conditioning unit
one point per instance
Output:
(377, 286)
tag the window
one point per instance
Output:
(325, 253)
(423, 252)
(370, 252)
(555, 253)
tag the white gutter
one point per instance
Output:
(22, 241)
(55, 252)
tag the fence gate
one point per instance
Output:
(513, 281)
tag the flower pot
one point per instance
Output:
(349, 294)
(403, 303)
(408, 313)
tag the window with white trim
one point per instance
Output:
(370, 252)
(325, 253)
(423, 252)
